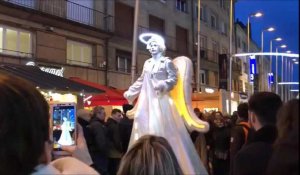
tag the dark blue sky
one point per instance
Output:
(283, 15)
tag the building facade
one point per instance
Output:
(93, 39)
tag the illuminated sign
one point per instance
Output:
(270, 78)
(50, 70)
(54, 71)
(252, 68)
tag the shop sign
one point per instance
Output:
(252, 63)
(50, 70)
(270, 78)
(54, 71)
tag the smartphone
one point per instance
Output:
(63, 125)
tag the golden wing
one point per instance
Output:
(181, 95)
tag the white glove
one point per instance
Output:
(128, 97)
(160, 86)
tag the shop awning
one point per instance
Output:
(111, 96)
(47, 81)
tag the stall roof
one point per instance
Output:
(110, 97)
(46, 80)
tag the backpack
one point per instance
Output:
(246, 128)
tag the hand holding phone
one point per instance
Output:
(63, 125)
(79, 151)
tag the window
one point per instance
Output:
(239, 42)
(213, 21)
(203, 41)
(79, 53)
(15, 41)
(224, 28)
(124, 20)
(215, 49)
(244, 46)
(222, 4)
(123, 61)
(181, 40)
(245, 68)
(181, 5)
(156, 25)
(203, 76)
(202, 13)
(216, 78)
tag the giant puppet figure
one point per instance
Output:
(164, 104)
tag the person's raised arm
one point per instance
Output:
(135, 89)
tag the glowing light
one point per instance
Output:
(158, 38)
(209, 90)
(258, 14)
(271, 29)
(87, 98)
(30, 63)
(288, 83)
(232, 95)
(283, 46)
(296, 62)
(267, 53)
(294, 90)
(278, 39)
(89, 102)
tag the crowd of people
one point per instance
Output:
(261, 138)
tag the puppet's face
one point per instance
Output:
(153, 48)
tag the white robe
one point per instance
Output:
(65, 137)
(156, 114)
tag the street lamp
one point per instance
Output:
(270, 29)
(271, 60)
(293, 62)
(230, 53)
(253, 15)
(199, 78)
(276, 70)
(256, 15)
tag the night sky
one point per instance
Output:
(283, 15)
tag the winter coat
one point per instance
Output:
(253, 158)
(98, 149)
(113, 139)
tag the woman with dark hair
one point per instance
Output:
(150, 155)
(25, 146)
(285, 157)
(220, 145)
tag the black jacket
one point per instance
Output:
(98, 147)
(253, 158)
(113, 139)
(125, 132)
(237, 140)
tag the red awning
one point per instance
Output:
(110, 97)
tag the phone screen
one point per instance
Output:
(63, 125)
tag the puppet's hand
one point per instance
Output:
(128, 97)
(160, 86)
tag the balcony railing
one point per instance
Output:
(69, 10)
